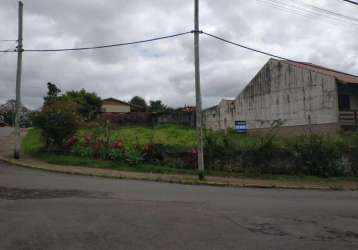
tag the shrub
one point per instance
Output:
(317, 155)
(58, 122)
(83, 151)
(117, 155)
(88, 104)
(134, 156)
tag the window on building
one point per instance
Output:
(344, 102)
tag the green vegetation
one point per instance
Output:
(70, 160)
(33, 143)
(168, 135)
(171, 147)
(58, 121)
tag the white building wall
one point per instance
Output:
(290, 93)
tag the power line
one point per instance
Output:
(10, 49)
(6, 40)
(109, 45)
(352, 2)
(328, 12)
(308, 10)
(246, 47)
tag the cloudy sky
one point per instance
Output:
(164, 69)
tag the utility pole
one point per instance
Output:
(199, 124)
(18, 82)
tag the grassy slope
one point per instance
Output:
(170, 135)
(32, 144)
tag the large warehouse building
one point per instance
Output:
(303, 96)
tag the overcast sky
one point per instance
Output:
(164, 69)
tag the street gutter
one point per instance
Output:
(172, 178)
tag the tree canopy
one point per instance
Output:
(140, 103)
(52, 93)
(89, 104)
(157, 106)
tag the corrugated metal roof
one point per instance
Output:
(341, 76)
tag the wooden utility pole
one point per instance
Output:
(199, 124)
(18, 83)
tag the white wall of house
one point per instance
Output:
(290, 93)
(116, 108)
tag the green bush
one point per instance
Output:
(82, 151)
(58, 122)
(33, 142)
(134, 156)
(318, 155)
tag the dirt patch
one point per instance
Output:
(18, 194)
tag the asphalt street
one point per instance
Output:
(41, 210)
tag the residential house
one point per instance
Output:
(112, 105)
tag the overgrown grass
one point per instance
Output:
(166, 134)
(69, 160)
(33, 142)
(233, 155)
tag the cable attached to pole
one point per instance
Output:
(108, 45)
(246, 47)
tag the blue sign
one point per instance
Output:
(241, 127)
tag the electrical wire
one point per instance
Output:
(109, 45)
(246, 47)
(311, 11)
(10, 49)
(328, 12)
(352, 2)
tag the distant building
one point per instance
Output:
(112, 105)
(184, 116)
(305, 97)
(221, 116)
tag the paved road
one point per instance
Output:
(40, 210)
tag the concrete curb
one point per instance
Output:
(176, 179)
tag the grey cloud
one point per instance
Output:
(164, 69)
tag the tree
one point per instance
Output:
(7, 114)
(52, 93)
(157, 106)
(139, 103)
(89, 104)
(58, 121)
